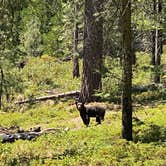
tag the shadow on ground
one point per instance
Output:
(148, 133)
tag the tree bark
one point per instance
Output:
(1, 86)
(75, 43)
(127, 70)
(92, 50)
(157, 45)
(153, 48)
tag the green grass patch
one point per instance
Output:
(95, 145)
(79, 145)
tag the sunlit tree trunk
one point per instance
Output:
(127, 70)
(157, 45)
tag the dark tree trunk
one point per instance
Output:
(134, 58)
(1, 86)
(75, 43)
(158, 56)
(153, 47)
(76, 72)
(127, 70)
(92, 50)
(157, 45)
(153, 36)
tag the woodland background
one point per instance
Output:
(42, 46)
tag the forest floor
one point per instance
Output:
(74, 144)
(80, 145)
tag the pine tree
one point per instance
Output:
(92, 49)
(127, 70)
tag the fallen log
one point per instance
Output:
(10, 136)
(50, 97)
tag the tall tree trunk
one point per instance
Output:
(153, 47)
(75, 43)
(157, 45)
(127, 70)
(153, 36)
(92, 50)
(1, 86)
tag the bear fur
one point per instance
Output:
(86, 112)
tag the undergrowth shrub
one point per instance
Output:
(111, 80)
(46, 73)
(39, 74)
(150, 133)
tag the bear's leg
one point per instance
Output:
(98, 120)
(88, 121)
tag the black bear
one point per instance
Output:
(90, 111)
